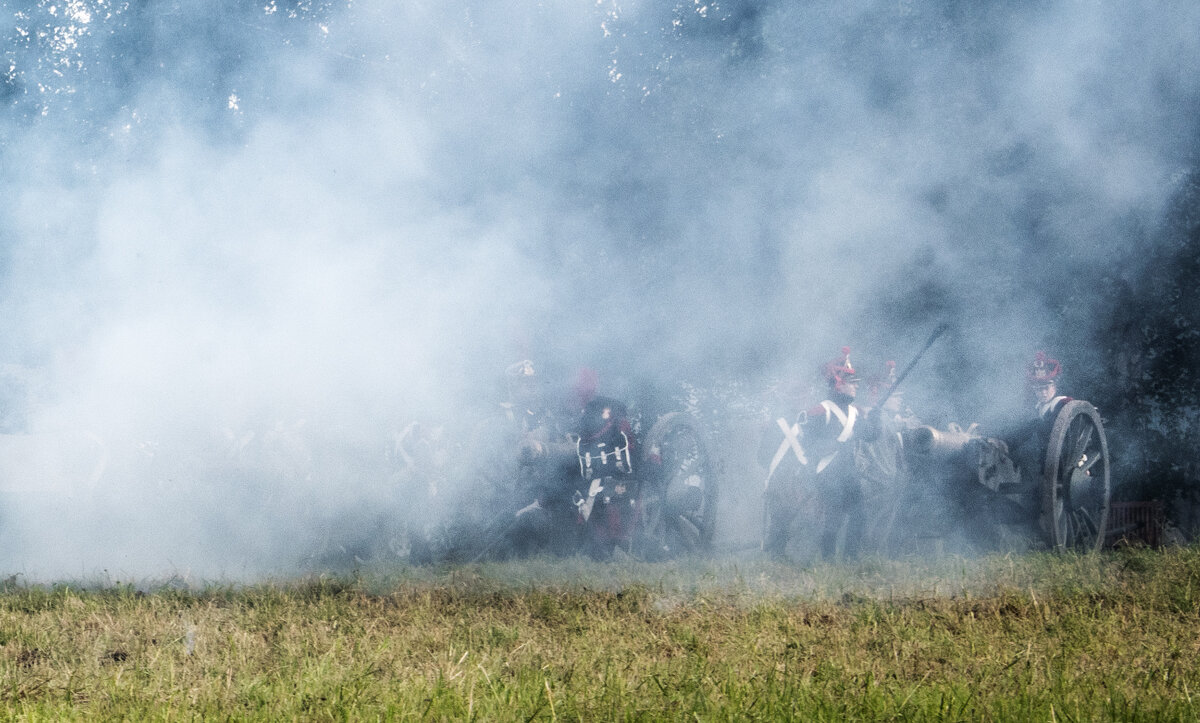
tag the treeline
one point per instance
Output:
(1147, 371)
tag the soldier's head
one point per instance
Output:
(879, 385)
(1042, 376)
(840, 375)
(522, 382)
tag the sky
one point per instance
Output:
(243, 248)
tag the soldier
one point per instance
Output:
(525, 425)
(1042, 376)
(831, 427)
(605, 450)
(517, 470)
(1030, 439)
(584, 491)
(524, 408)
(882, 462)
(781, 453)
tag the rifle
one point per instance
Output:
(937, 332)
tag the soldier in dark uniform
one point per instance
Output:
(516, 471)
(606, 500)
(544, 514)
(1043, 376)
(525, 408)
(789, 476)
(832, 428)
(1029, 440)
(882, 461)
(582, 491)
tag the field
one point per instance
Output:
(1033, 637)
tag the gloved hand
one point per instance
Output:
(531, 449)
(528, 508)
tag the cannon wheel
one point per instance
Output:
(679, 490)
(1075, 480)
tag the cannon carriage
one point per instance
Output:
(1049, 483)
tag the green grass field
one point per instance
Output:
(1034, 637)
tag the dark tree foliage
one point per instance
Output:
(1136, 337)
(1153, 354)
(88, 66)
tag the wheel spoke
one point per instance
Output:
(1085, 436)
(1080, 527)
(1091, 526)
(1090, 462)
(1080, 446)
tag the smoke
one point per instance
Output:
(245, 248)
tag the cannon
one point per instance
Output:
(1061, 491)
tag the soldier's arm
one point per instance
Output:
(872, 425)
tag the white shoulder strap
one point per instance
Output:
(791, 441)
(847, 419)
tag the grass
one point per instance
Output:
(1033, 637)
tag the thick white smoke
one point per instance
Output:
(245, 249)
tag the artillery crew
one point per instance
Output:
(606, 502)
(525, 409)
(881, 460)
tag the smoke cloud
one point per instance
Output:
(245, 248)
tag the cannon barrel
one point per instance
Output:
(985, 459)
(937, 442)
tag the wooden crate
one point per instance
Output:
(1136, 522)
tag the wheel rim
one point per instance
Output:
(678, 507)
(1076, 479)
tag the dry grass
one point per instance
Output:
(1003, 638)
